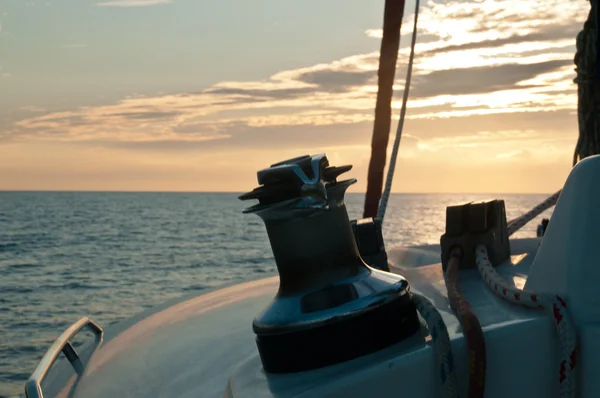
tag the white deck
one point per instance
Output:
(520, 346)
(191, 348)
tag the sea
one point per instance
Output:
(64, 255)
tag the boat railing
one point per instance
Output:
(33, 386)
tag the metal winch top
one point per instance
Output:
(299, 183)
(331, 306)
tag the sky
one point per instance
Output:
(197, 95)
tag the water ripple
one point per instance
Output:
(111, 255)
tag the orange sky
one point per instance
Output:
(492, 109)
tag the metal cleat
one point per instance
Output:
(475, 224)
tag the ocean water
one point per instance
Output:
(64, 255)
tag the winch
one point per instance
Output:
(331, 306)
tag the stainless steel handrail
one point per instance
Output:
(33, 386)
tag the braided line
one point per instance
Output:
(516, 224)
(553, 304)
(471, 328)
(441, 344)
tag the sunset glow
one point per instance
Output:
(492, 105)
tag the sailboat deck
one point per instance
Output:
(171, 350)
(428, 281)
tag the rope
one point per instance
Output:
(390, 174)
(516, 224)
(441, 344)
(435, 322)
(588, 81)
(470, 325)
(553, 304)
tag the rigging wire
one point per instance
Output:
(395, 150)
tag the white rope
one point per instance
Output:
(390, 174)
(441, 344)
(553, 304)
(516, 224)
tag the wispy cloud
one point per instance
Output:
(491, 70)
(132, 3)
(519, 154)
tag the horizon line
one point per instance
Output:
(241, 192)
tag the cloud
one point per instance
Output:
(336, 80)
(518, 154)
(257, 95)
(482, 79)
(551, 33)
(145, 115)
(132, 3)
(484, 67)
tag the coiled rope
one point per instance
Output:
(470, 325)
(441, 344)
(553, 304)
(392, 167)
